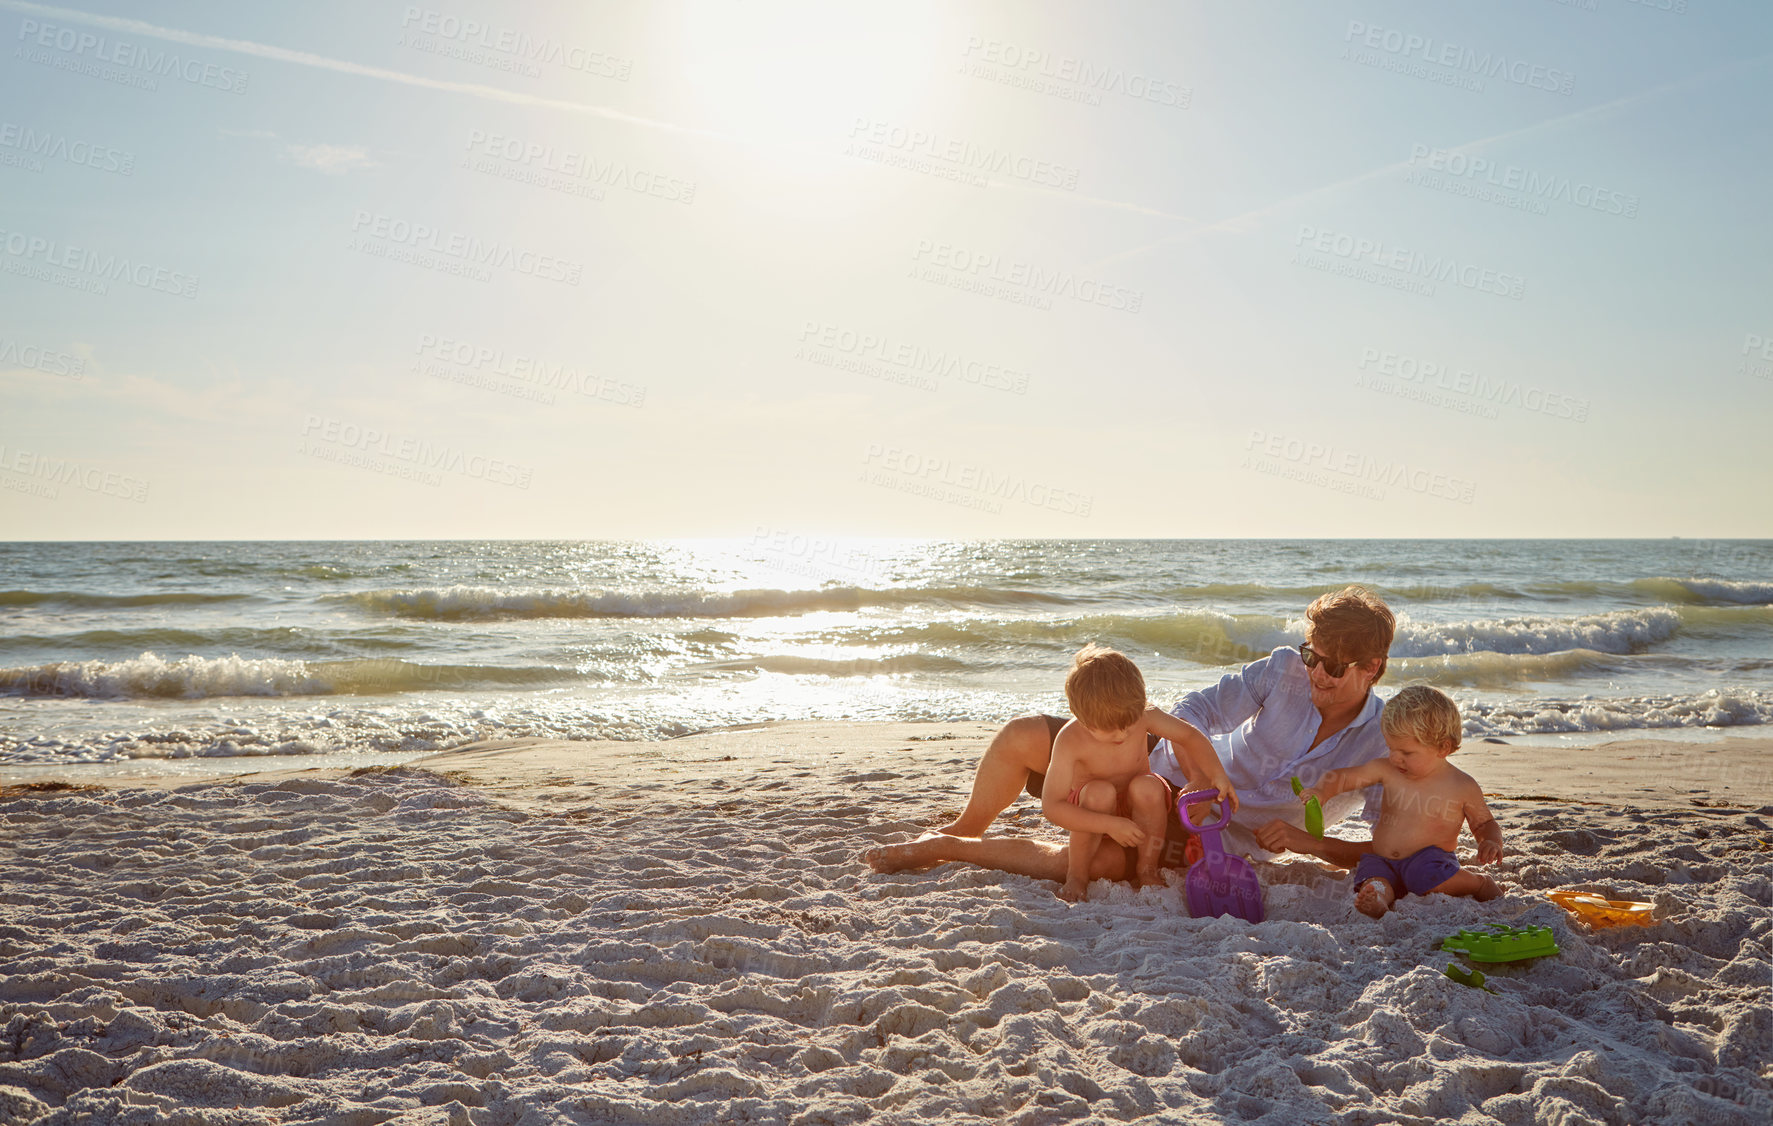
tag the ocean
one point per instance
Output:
(116, 651)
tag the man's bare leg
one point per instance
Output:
(1023, 856)
(1023, 746)
(1374, 897)
(1150, 800)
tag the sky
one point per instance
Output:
(1219, 268)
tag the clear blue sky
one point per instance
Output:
(1196, 269)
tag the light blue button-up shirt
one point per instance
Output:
(1261, 723)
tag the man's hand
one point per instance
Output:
(1126, 833)
(1281, 836)
(1489, 852)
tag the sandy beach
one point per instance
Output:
(683, 931)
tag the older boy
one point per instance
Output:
(1100, 781)
(1426, 801)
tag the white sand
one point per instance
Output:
(659, 933)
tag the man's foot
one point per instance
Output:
(1374, 898)
(923, 852)
(1074, 891)
(1487, 890)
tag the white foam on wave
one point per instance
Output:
(270, 730)
(151, 675)
(1543, 716)
(1499, 670)
(1737, 592)
(1621, 631)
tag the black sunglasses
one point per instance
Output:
(1313, 659)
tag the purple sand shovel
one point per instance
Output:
(1218, 883)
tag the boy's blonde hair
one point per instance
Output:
(1106, 690)
(1353, 624)
(1424, 714)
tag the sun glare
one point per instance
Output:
(795, 80)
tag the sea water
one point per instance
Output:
(113, 651)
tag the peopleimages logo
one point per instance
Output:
(912, 361)
(491, 364)
(1030, 284)
(1757, 351)
(547, 161)
(961, 154)
(965, 484)
(422, 457)
(76, 263)
(1535, 185)
(1439, 384)
(517, 45)
(47, 360)
(133, 62)
(1409, 48)
(818, 557)
(1086, 81)
(1353, 468)
(30, 143)
(1404, 262)
(466, 250)
(50, 471)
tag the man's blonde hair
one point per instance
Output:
(1424, 714)
(1352, 624)
(1106, 690)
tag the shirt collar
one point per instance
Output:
(1369, 711)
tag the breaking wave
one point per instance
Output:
(151, 676)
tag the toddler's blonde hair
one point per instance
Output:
(1424, 714)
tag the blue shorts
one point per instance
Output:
(1416, 874)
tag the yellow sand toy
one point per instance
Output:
(1599, 912)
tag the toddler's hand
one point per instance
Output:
(1489, 852)
(1126, 833)
(1307, 794)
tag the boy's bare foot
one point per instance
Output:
(1487, 890)
(921, 853)
(1148, 878)
(1374, 898)
(1073, 892)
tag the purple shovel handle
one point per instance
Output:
(1218, 884)
(1194, 797)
